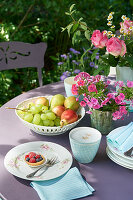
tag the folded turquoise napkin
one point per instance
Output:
(122, 139)
(67, 187)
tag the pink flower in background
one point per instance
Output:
(99, 39)
(81, 83)
(126, 25)
(129, 83)
(74, 89)
(116, 47)
(82, 103)
(92, 88)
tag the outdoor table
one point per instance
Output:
(111, 181)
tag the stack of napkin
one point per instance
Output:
(122, 139)
(67, 187)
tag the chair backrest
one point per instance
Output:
(20, 55)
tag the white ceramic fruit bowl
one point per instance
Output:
(47, 130)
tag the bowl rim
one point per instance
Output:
(48, 127)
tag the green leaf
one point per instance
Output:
(80, 19)
(69, 29)
(83, 25)
(67, 13)
(71, 7)
(75, 26)
(76, 37)
(87, 34)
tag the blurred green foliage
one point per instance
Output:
(41, 21)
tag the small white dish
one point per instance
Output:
(117, 160)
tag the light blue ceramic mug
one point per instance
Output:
(68, 82)
(84, 143)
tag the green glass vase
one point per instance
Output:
(102, 121)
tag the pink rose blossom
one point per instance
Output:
(99, 39)
(82, 103)
(126, 25)
(116, 47)
(92, 88)
(129, 83)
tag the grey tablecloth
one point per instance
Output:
(111, 181)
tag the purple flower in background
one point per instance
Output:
(76, 71)
(86, 58)
(96, 66)
(64, 56)
(74, 51)
(75, 62)
(97, 53)
(67, 73)
(90, 52)
(62, 78)
(70, 56)
(60, 63)
(97, 57)
(95, 48)
(92, 64)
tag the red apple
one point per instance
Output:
(68, 116)
(58, 110)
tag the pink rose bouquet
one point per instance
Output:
(98, 95)
(110, 47)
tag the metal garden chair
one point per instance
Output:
(21, 55)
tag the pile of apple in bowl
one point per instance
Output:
(50, 115)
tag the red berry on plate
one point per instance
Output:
(37, 156)
(32, 154)
(32, 160)
(27, 156)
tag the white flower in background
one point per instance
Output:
(113, 35)
(109, 33)
(123, 17)
(109, 23)
(110, 17)
(112, 26)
